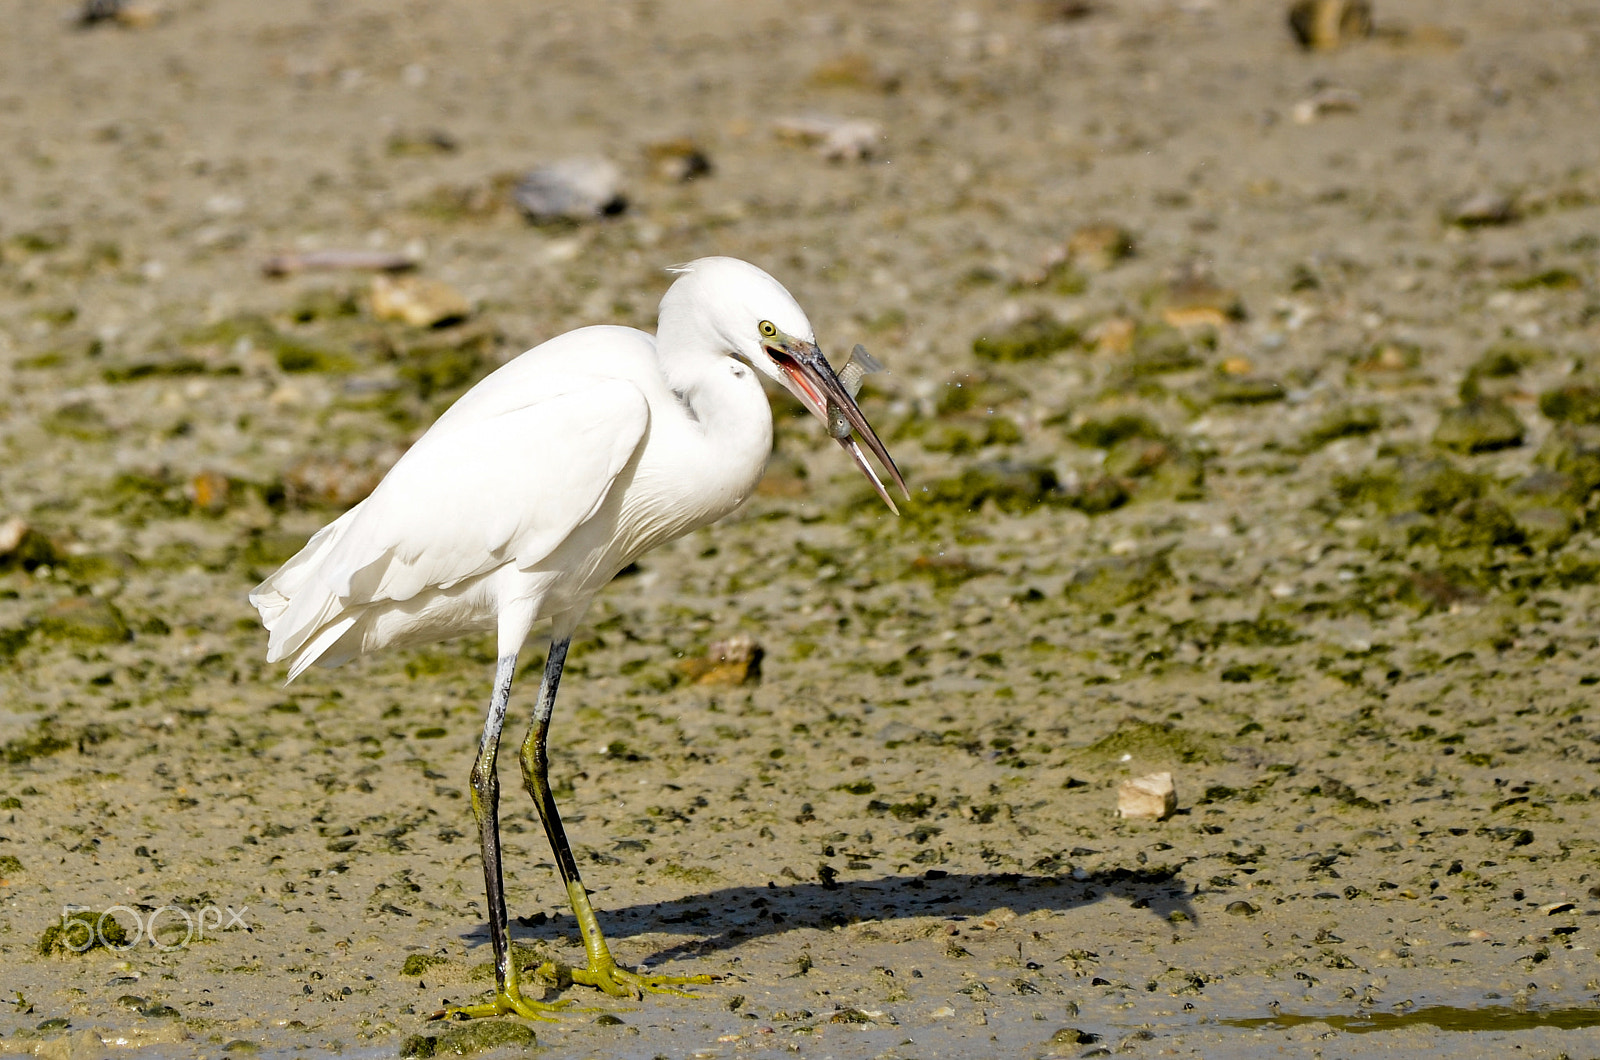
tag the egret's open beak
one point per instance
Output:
(809, 377)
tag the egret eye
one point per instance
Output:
(769, 330)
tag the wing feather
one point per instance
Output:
(470, 496)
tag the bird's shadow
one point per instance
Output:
(734, 915)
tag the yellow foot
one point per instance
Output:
(618, 981)
(504, 1004)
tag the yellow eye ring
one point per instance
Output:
(769, 330)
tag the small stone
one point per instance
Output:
(419, 302)
(1113, 335)
(208, 491)
(423, 142)
(1153, 797)
(572, 189)
(1479, 426)
(334, 260)
(1073, 1036)
(336, 482)
(12, 531)
(1098, 247)
(1326, 101)
(856, 70)
(1194, 299)
(1322, 25)
(836, 139)
(678, 160)
(1482, 210)
(133, 14)
(732, 662)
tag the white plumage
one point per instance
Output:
(542, 482)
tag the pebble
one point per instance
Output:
(735, 661)
(12, 531)
(1322, 25)
(134, 14)
(571, 189)
(1193, 299)
(1153, 797)
(208, 491)
(1324, 102)
(1483, 209)
(1098, 247)
(418, 302)
(678, 160)
(836, 139)
(337, 482)
(327, 260)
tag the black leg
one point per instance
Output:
(486, 809)
(603, 971)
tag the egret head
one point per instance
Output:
(750, 315)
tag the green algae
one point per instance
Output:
(33, 550)
(1159, 349)
(1556, 278)
(418, 963)
(81, 421)
(1572, 402)
(1116, 582)
(1427, 487)
(1573, 450)
(1246, 390)
(1344, 421)
(962, 434)
(970, 391)
(1029, 339)
(468, 1039)
(1150, 742)
(1013, 488)
(84, 620)
(1479, 425)
(1106, 432)
(46, 738)
(1159, 468)
(447, 364)
(165, 368)
(292, 353)
(82, 931)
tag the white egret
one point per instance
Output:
(528, 496)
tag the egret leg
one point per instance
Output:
(603, 971)
(508, 997)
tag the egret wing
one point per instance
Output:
(510, 487)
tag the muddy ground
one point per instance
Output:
(1283, 479)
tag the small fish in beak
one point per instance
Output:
(860, 365)
(832, 399)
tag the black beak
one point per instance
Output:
(811, 378)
